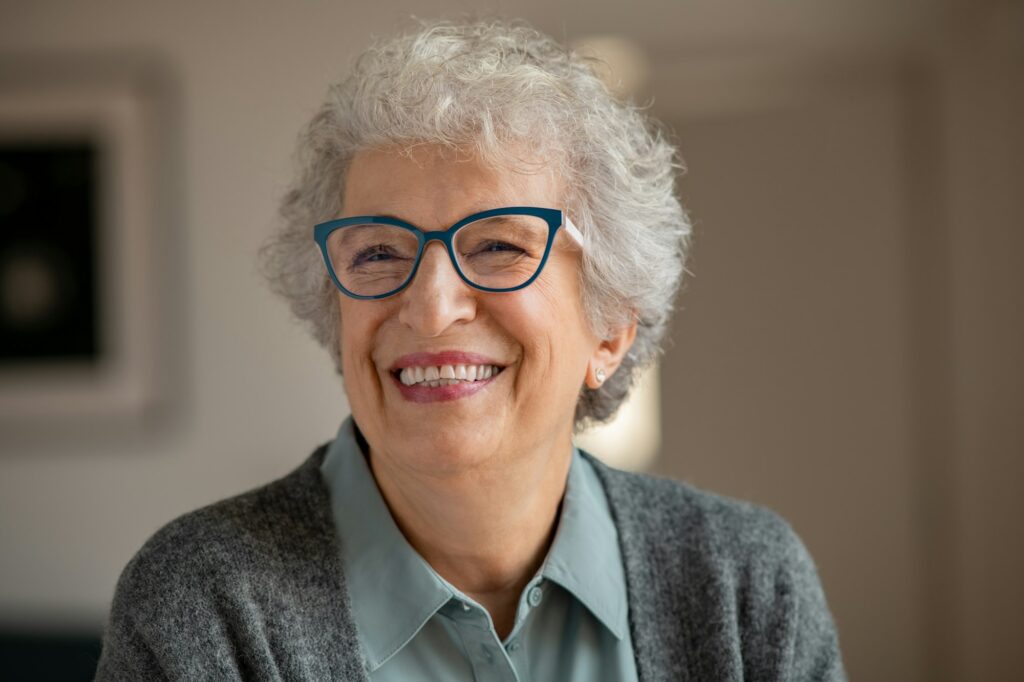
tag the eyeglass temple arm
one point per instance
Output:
(572, 230)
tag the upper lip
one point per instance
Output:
(447, 357)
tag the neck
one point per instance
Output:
(485, 530)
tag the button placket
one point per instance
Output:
(489, 659)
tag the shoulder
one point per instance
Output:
(214, 547)
(247, 587)
(678, 513)
(736, 567)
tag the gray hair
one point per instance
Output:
(494, 87)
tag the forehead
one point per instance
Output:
(436, 186)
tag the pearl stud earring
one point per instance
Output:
(599, 375)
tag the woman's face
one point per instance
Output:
(538, 338)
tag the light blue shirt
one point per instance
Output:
(571, 622)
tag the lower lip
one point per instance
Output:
(432, 394)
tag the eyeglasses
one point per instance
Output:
(503, 249)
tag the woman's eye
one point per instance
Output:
(499, 246)
(375, 254)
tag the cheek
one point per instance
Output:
(552, 327)
(356, 331)
(562, 297)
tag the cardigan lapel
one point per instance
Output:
(667, 584)
(657, 649)
(330, 615)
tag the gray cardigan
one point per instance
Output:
(252, 588)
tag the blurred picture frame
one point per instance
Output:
(86, 165)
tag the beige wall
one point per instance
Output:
(848, 352)
(788, 374)
(984, 186)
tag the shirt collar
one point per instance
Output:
(585, 558)
(394, 591)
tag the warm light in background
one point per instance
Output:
(631, 440)
(620, 63)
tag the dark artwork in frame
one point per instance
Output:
(49, 232)
(87, 236)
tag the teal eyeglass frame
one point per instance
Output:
(555, 218)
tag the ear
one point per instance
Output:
(609, 354)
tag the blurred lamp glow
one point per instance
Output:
(621, 64)
(631, 440)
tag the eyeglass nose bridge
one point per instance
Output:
(446, 237)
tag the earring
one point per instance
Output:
(599, 375)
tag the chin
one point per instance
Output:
(439, 449)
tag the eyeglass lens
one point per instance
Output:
(500, 252)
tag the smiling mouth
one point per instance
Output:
(434, 376)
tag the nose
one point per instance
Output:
(437, 298)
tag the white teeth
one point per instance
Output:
(445, 375)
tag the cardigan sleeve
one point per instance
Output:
(815, 642)
(126, 654)
(790, 633)
(128, 649)
(163, 623)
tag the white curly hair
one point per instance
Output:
(493, 87)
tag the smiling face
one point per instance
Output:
(442, 377)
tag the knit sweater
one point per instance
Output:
(252, 588)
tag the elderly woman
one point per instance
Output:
(489, 245)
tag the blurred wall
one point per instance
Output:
(848, 352)
(788, 376)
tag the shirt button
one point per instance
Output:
(534, 595)
(465, 606)
(513, 645)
